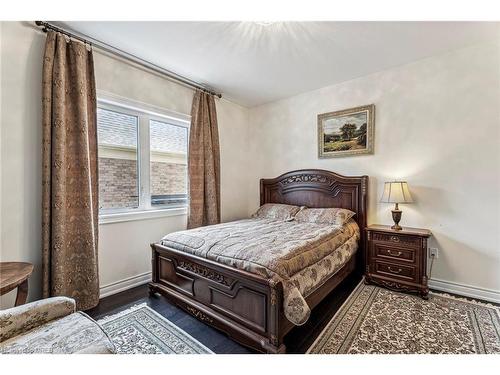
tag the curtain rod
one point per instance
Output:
(128, 56)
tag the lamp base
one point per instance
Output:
(397, 227)
(396, 216)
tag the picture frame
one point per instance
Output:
(347, 132)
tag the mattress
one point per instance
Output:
(302, 256)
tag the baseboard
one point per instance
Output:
(121, 285)
(465, 290)
(436, 284)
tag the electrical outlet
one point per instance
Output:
(433, 252)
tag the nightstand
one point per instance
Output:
(397, 259)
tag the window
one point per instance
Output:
(142, 157)
(118, 179)
(168, 163)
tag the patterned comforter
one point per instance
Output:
(300, 255)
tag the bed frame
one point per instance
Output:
(245, 306)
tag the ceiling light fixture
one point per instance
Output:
(264, 23)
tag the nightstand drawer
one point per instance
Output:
(391, 252)
(398, 271)
(401, 240)
(397, 259)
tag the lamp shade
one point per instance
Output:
(396, 192)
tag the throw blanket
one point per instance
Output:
(302, 256)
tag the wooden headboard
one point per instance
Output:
(317, 188)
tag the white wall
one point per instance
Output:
(437, 126)
(123, 247)
(21, 134)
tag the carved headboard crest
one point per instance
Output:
(305, 178)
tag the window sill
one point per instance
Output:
(110, 218)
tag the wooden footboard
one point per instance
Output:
(244, 305)
(241, 304)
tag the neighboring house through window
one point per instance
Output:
(142, 157)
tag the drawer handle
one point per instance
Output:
(395, 254)
(394, 271)
(394, 238)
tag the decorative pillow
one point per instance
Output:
(334, 216)
(276, 211)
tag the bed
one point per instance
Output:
(222, 275)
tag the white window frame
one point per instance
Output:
(144, 113)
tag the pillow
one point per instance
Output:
(276, 211)
(334, 216)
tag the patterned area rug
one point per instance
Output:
(141, 330)
(376, 320)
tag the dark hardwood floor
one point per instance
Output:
(297, 341)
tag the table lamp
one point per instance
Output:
(396, 192)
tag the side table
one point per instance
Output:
(15, 275)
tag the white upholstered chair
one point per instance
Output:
(51, 325)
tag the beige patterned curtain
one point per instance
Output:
(70, 201)
(203, 163)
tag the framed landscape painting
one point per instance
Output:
(347, 132)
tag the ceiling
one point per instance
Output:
(253, 63)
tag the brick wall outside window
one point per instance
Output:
(118, 181)
(168, 178)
